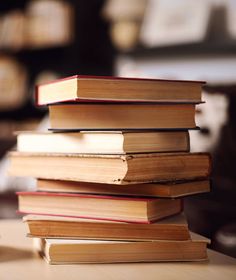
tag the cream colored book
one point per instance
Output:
(103, 142)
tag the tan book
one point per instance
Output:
(111, 169)
(120, 116)
(171, 228)
(103, 142)
(127, 209)
(68, 251)
(92, 88)
(164, 189)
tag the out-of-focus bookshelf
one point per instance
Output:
(41, 40)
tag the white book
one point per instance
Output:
(103, 142)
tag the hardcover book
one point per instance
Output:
(111, 169)
(44, 226)
(120, 116)
(127, 209)
(68, 251)
(98, 88)
(103, 142)
(164, 189)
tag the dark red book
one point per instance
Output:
(125, 209)
(99, 88)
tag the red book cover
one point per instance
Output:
(107, 78)
(119, 78)
(91, 196)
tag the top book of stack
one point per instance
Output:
(114, 89)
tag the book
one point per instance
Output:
(103, 142)
(126, 209)
(164, 189)
(69, 251)
(171, 228)
(95, 88)
(121, 116)
(111, 169)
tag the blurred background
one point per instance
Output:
(41, 40)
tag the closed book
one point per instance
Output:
(171, 228)
(111, 169)
(137, 210)
(165, 189)
(95, 88)
(103, 142)
(113, 116)
(69, 251)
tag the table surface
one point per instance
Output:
(18, 261)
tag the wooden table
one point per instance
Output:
(18, 262)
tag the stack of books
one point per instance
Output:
(112, 170)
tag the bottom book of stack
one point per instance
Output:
(64, 240)
(72, 251)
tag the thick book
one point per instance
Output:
(103, 142)
(164, 189)
(111, 169)
(120, 116)
(69, 251)
(43, 226)
(92, 88)
(126, 209)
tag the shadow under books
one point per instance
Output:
(8, 254)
